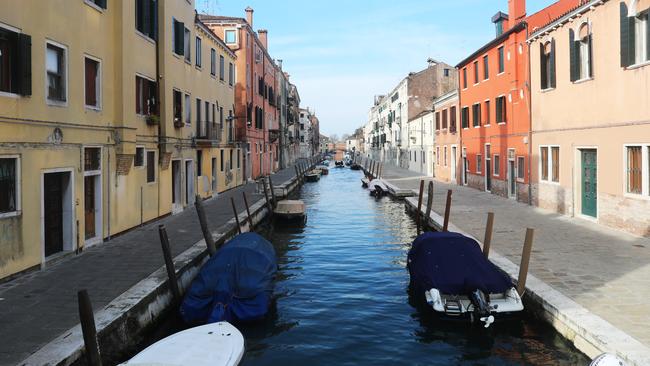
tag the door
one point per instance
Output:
(189, 181)
(465, 170)
(453, 164)
(176, 183)
(589, 183)
(89, 207)
(488, 169)
(512, 179)
(53, 212)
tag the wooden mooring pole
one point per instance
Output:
(234, 210)
(417, 213)
(427, 214)
(207, 235)
(169, 264)
(297, 174)
(248, 212)
(268, 203)
(488, 234)
(445, 225)
(273, 201)
(87, 318)
(525, 260)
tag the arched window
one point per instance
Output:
(581, 53)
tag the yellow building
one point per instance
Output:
(92, 142)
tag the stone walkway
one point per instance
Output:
(604, 270)
(36, 308)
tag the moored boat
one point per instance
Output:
(457, 281)
(312, 176)
(324, 170)
(355, 166)
(290, 210)
(339, 164)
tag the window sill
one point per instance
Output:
(547, 90)
(93, 108)
(6, 215)
(9, 94)
(477, 126)
(583, 80)
(56, 103)
(94, 6)
(551, 183)
(501, 73)
(638, 66)
(501, 123)
(198, 67)
(520, 180)
(146, 37)
(628, 195)
(487, 125)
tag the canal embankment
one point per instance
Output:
(125, 278)
(590, 283)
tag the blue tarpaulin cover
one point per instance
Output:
(236, 284)
(454, 264)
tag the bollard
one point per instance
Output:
(417, 214)
(488, 234)
(273, 201)
(445, 226)
(169, 264)
(268, 204)
(248, 211)
(207, 235)
(87, 318)
(234, 210)
(525, 260)
(425, 225)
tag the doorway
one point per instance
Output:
(189, 181)
(92, 208)
(512, 179)
(589, 182)
(453, 162)
(465, 167)
(177, 204)
(57, 212)
(488, 169)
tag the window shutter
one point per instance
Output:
(25, 64)
(102, 3)
(552, 76)
(542, 68)
(627, 38)
(154, 19)
(574, 52)
(146, 17)
(179, 38)
(647, 36)
(591, 54)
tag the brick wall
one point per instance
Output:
(124, 163)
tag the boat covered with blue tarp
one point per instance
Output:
(236, 284)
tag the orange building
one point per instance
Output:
(494, 100)
(256, 114)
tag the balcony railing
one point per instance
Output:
(206, 130)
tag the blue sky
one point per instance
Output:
(341, 53)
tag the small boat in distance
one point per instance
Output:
(290, 210)
(312, 176)
(457, 281)
(339, 164)
(324, 170)
(355, 166)
(216, 344)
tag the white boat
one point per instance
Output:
(507, 302)
(215, 344)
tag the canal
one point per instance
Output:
(342, 295)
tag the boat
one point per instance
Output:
(377, 188)
(234, 285)
(215, 344)
(457, 281)
(290, 210)
(324, 170)
(339, 164)
(355, 166)
(365, 181)
(312, 176)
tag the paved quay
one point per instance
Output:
(38, 307)
(604, 270)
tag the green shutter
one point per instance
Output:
(542, 67)
(25, 64)
(647, 36)
(574, 52)
(179, 38)
(552, 76)
(627, 37)
(591, 56)
(153, 6)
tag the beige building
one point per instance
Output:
(92, 142)
(447, 159)
(591, 130)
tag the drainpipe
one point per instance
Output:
(530, 128)
(161, 142)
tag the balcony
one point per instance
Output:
(208, 133)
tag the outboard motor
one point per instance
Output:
(481, 307)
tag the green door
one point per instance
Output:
(589, 183)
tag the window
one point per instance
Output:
(497, 165)
(445, 155)
(501, 109)
(486, 68)
(231, 36)
(92, 159)
(214, 174)
(199, 163)
(92, 81)
(446, 73)
(222, 65)
(520, 167)
(213, 62)
(186, 43)
(139, 157)
(634, 170)
(580, 53)
(221, 160)
(99, 3)
(438, 155)
(178, 108)
(231, 74)
(9, 181)
(188, 110)
(55, 64)
(550, 165)
(547, 64)
(476, 114)
(452, 119)
(465, 78)
(437, 121)
(555, 164)
(178, 37)
(487, 113)
(198, 112)
(502, 67)
(635, 40)
(230, 165)
(151, 166)
(146, 17)
(445, 118)
(198, 52)
(475, 72)
(145, 96)
(238, 158)
(15, 62)
(479, 163)
(464, 117)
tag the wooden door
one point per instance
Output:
(53, 212)
(589, 183)
(89, 207)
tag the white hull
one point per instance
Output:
(459, 306)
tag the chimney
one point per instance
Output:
(262, 33)
(516, 11)
(280, 64)
(249, 16)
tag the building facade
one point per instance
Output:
(591, 134)
(447, 160)
(96, 139)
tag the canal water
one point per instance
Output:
(341, 295)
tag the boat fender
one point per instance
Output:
(607, 359)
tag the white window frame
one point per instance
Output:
(479, 163)
(98, 85)
(187, 43)
(496, 157)
(225, 36)
(640, 37)
(645, 171)
(18, 210)
(549, 179)
(213, 63)
(144, 157)
(97, 171)
(137, 74)
(198, 54)
(66, 86)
